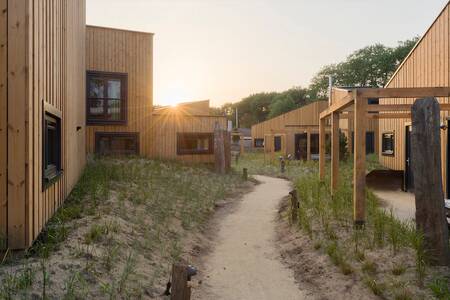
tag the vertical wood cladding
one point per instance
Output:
(426, 66)
(131, 53)
(45, 43)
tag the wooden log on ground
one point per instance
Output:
(180, 287)
(426, 165)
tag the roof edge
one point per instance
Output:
(119, 29)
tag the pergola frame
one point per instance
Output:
(353, 104)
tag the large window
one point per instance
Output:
(51, 148)
(259, 143)
(106, 98)
(117, 143)
(387, 143)
(195, 143)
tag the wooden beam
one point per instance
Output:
(349, 116)
(403, 92)
(359, 161)
(334, 151)
(338, 94)
(322, 148)
(338, 105)
(308, 138)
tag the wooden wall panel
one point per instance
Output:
(113, 50)
(45, 65)
(3, 118)
(426, 66)
(164, 134)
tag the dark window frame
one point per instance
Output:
(51, 154)
(208, 135)
(99, 135)
(123, 77)
(259, 140)
(384, 150)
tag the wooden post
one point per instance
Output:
(180, 287)
(245, 174)
(426, 165)
(334, 151)
(294, 206)
(241, 143)
(349, 133)
(219, 150)
(359, 162)
(227, 149)
(322, 148)
(308, 152)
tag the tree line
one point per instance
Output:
(371, 66)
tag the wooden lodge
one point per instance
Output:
(42, 122)
(427, 65)
(68, 90)
(295, 132)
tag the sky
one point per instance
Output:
(225, 50)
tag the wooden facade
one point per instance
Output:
(42, 69)
(168, 123)
(130, 53)
(427, 65)
(304, 120)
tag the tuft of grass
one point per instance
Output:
(95, 234)
(398, 269)
(417, 240)
(317, 245)
(369, 267)
(440, 287)
(338, 259)
(377, 288)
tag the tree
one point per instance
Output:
(371, 66)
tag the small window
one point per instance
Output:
(277, 143)
(195, 143)
(117, 143)
(259, 143)
(106, 98)
(387, 144)
(51, 151)
(315, 143)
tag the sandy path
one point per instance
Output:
(244, 263)
(403, 204)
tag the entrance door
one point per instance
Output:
(409, 175)
(301, 146)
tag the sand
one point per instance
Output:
(244, 262)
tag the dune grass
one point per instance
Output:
(385, 254)
(119, 231)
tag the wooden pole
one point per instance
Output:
(359, 162)
(241, 143)
(308, 138)
(245, 174)
(219, 150)
(334, 151)
(294, 206)
(322, 148)
(426, 165)
(180, 287)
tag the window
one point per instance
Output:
(277, 143)
(117, 143)
(387, 144)
(314, 143)
(370, 142)
(195, 143)
(106, 98)
(51, 152)
(259, 143)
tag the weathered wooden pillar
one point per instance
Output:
(322, 149)
(426, 165)
(294, 206)
(245, 174)
(227, 149)
(241, 144)
(219, 150)
(180, 287)
(334, 151)
(308, 138)
(359, 162)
